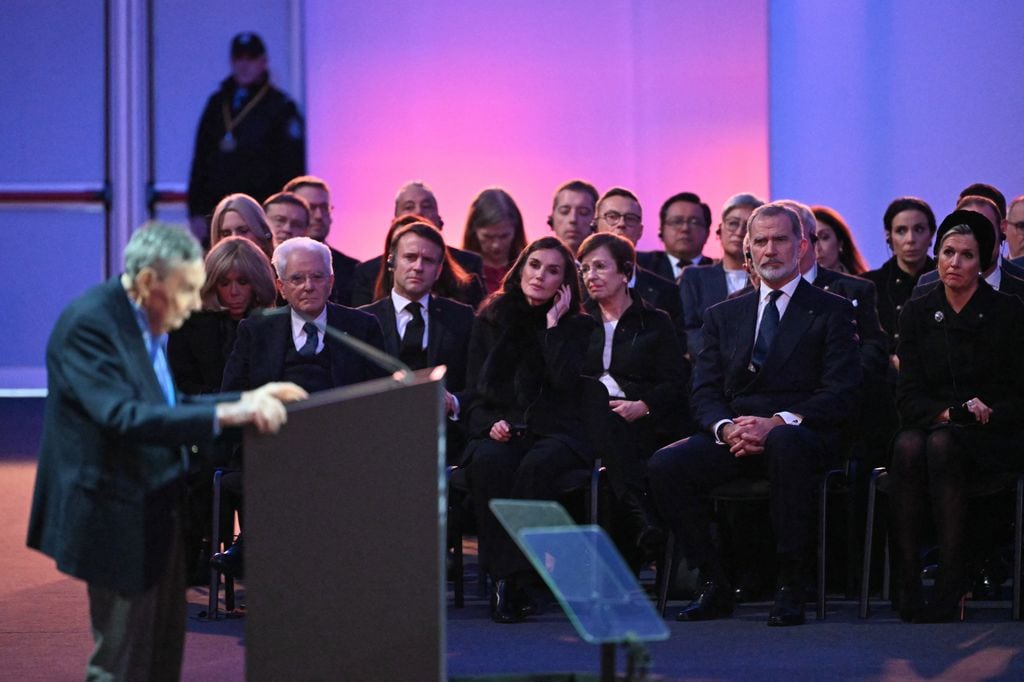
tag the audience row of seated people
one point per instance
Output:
(579, 351)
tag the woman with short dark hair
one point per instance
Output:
(636, 354)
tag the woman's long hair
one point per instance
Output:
(849, 254)
(253, 215)
(511, 295)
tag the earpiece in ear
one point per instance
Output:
(390, 263)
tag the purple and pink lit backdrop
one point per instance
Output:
(659, 97)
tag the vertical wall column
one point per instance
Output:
(127, 122)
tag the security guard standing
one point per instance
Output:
(251, 136)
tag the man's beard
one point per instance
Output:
(775, 273)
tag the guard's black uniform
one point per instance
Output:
(269, 147)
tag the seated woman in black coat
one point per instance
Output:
(526, 420)
(239, 279)
(961, 404)
(636, 354)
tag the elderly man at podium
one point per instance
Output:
(110, 488)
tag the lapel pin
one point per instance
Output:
(939, 317)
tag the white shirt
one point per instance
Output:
(299, 334)
(614, 390)
(812, 273)
(997, 275)
(677, 269)
(735, 280)
(403, 317)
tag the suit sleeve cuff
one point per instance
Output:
(717, 430)
(789, 418)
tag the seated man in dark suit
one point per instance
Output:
(110, 488)
(291, 344)
(772, 386)
(316, 192)
(1002, 275)
(702, 286)
(420, 329)
(619, 211)
(685, 222)
(414, 198)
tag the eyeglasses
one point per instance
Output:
(734, 225)
(597, 267)
(682, 222)
(614, 218)
(315, 279)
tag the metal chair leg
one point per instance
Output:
(667, 570)
(1018, 539)
(869, 528)
(823, 540)
(214, 602)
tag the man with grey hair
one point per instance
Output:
(1013, 228)
(109, 494)
(772, 386)
(292, 344)
(702, 286)
(858, 291)
(412, 198)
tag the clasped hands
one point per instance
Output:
(746, 435)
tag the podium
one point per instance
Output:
(345, 513)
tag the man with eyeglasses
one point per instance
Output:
(619, 211)
(316, 191)
(685, 222)
(702, 286)
(293, 344)
(1013, 227)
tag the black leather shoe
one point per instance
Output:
(504, 607)
(715, 600)
(911, 601)
(946, 607)
(788, 608)
(229, 562)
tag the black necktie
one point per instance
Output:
(308, 349)
(766, 334)
(412, 342)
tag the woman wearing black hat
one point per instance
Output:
(960, 412)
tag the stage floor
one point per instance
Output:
(44, 632)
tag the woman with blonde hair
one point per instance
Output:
(239, 215)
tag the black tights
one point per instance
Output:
(929, 468)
